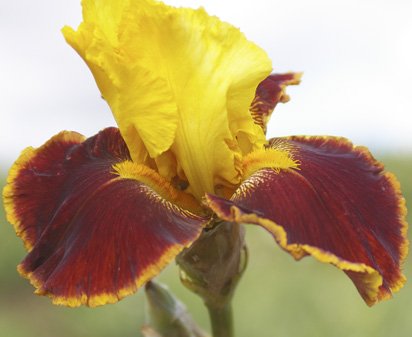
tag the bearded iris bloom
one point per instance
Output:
(101, 216)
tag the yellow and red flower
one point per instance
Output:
(192, 97)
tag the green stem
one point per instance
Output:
(221, 319)
(212, 267)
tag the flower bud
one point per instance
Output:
(167, 316)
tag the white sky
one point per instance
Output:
(356, 56)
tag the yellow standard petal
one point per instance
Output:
(179, 83)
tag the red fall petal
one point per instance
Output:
(94, 235)
(269, 93)
(339, 206)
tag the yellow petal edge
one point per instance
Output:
(9, 191)
(368, 276)
(106, 298)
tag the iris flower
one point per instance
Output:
(101, 216)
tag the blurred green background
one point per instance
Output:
(276, 297)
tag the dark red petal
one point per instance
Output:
(269, 93)
(339, 206)
(95, 232)
(28, 201)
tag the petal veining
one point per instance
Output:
(340, 207)
(96, 227)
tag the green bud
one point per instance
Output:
(167, 316)
(214, 264)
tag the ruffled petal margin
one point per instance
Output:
(269, 93)
(339, 206)
(201, 74)
(97, 226)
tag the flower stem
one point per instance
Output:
(221, 320)
(212, 268)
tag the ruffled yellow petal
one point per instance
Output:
(137, 97)
(178, 81)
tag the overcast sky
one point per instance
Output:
(356, 56)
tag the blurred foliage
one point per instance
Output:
(276, 297)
